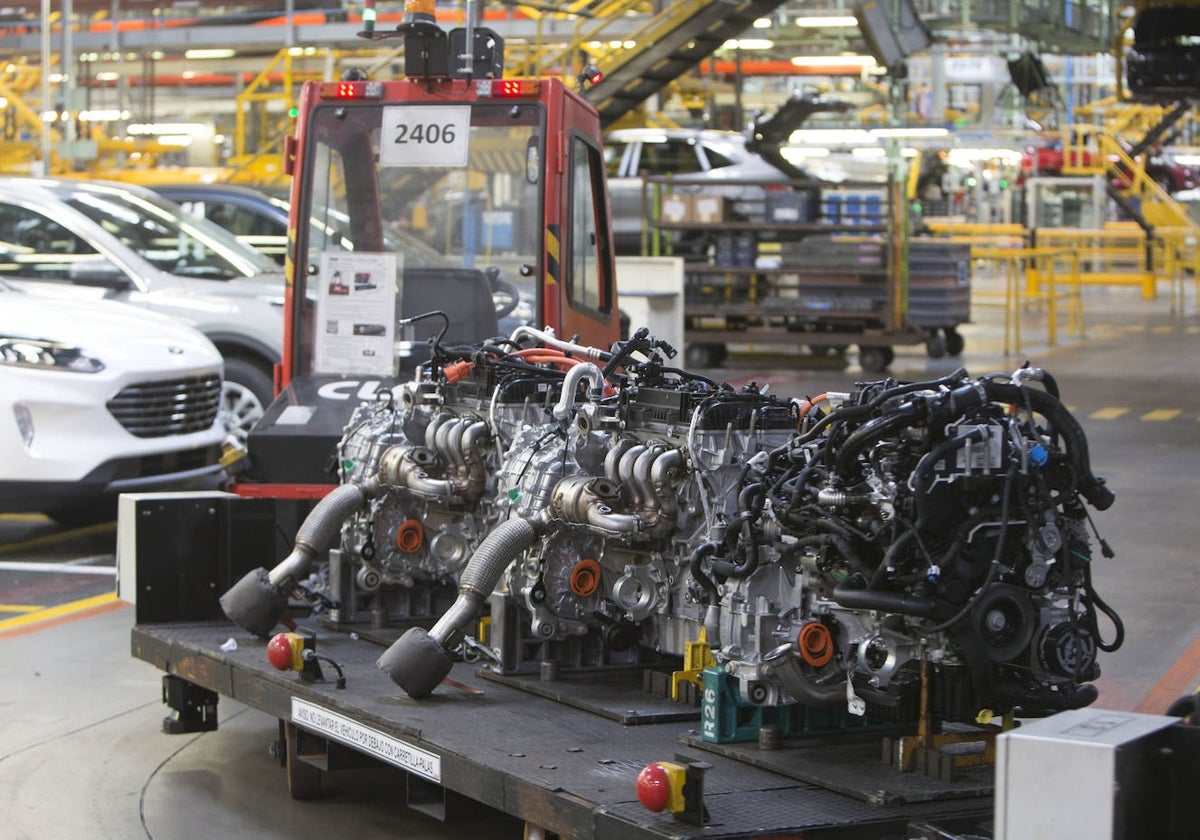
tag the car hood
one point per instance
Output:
(116, 333)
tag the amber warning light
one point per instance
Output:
(352, 90)
(506, 88)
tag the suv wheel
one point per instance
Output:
(245, 396)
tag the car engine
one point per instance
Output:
(604, 509)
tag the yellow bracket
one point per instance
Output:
(697, 656)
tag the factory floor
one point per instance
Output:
(82, 754)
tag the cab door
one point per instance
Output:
(583, 288)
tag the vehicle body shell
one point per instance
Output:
(147, 418)
(80, 240)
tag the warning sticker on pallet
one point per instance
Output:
(367, 740)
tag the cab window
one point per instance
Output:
(588, 287)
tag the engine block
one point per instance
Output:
(828, 549)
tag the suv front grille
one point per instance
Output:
(170, 407)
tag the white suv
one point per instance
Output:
(79, 239)
(97, 398)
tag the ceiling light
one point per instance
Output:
(965, 157)
(762, 23)
(827, 21)
(213, 53)
(748, 44)
(794, 153)
(860, 61)
(830, 136)
(192, 129)
(910, 132)
(104, 115)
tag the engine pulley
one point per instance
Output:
(1004, 619)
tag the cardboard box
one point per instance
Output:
(708, 209)
(676, 209)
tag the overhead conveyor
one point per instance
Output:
(667, 46)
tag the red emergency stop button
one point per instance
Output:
(660, 786)
(283, 651)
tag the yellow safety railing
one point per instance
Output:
(1117, 255)
(979, 234)
(1131, 120)
(1177, 255)
(263, 127)
(1059, 270)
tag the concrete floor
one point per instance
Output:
(82, 754)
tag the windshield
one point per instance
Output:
(416, 209)
(166, 236)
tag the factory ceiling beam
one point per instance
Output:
(267, 39)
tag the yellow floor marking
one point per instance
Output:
(56, 612)
(1134, 328)
(1163, 330)
(1108, 413)
(50, 539)
(1161, 414)
(23, 517)
(19, 608)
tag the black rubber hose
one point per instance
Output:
(1092, 488)
(838, 542)
(750, 508)
(859, 412)
(858, 597)
(707, 549)
(928, 385)
(847, 456)
(1051, 384)
(1187, 706)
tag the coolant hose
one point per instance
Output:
(257, 601)
(562, 409)
(418, 661)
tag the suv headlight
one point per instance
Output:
(51, 355)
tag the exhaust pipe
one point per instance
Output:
(418, 661)
(257, 601)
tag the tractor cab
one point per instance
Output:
(452, 205)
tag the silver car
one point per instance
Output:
(87, 239)
(698, 161)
